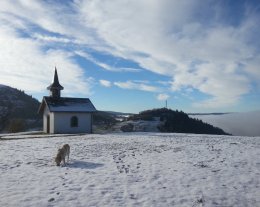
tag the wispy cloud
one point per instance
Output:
(23, 64)
(56, 39)
(178, 43)
(162, 96)
(105, 83)
(136, 86)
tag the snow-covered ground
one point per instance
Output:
(132, 169)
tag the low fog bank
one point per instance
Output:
(243, 124)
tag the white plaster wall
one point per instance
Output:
(45, 114)
(52, 123)
(62, 123)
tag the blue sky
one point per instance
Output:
(132, 55)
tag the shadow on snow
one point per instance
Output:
(84, 165)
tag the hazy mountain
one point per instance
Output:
(19, 109)
(243, 124)
(115, 113)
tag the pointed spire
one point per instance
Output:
(56, 79)
(55, 87)
(56, 83)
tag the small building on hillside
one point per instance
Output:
(65, 115)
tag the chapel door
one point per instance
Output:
(48, 124)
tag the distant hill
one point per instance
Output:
(18, 111)
(205, 114)
(177, 121)
(118, 113)
(103, 118)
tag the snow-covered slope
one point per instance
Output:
(241, 124)
(138, 169)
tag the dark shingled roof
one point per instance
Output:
(64, 104)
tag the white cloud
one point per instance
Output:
(253, 68)
(175, 43)
(162, 97)
(50, 16)
(47, 38)
(136, 86)
(185, 40)
(105, 83)
(221, 83)
(24, 65)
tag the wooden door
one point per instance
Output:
(48, 124)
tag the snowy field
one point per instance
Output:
(139, 169)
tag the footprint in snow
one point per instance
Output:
(51, 199)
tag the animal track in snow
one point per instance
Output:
(126, 161)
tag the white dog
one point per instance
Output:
(62, 153)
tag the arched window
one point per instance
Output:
(74, 121)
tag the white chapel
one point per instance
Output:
(64, 115)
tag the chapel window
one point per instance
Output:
(74, 121)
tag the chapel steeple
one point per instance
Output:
(55, 87)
